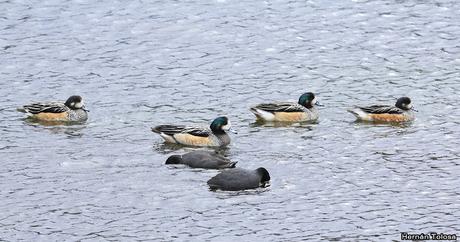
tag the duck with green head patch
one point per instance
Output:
(72, 110)
(402, 111)
(303, 110)
(215, 136)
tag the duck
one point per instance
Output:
(402, 111)
(215, 136)
(240, 179)
(201, 159)
(303, 110)
(73, 110)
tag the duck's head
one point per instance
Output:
(75, 102)
(264, 177)
(307, 100)
(221, 124)
(404, 103)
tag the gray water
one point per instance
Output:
(142, 63)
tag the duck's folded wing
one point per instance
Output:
(380, 109)
(176, 129)
(280, 107)
(197, 131)
(51, 107)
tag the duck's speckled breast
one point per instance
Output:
(222, 139)
(78, 115)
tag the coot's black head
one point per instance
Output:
(264, 176)
(74, 102)
(174, 159)
(220, 124)
(404, 103)
(307, 100)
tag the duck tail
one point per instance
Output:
(358, 112)
(254, 110)
(21, 109)
(353, 111)
(262, 114)
(156, 129)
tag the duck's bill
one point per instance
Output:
(318, 104)
(84, 109)
(233, 131)
(413, 109)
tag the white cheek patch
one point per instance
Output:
(227, 126)
(78, 105)
(409, 106)
(314, 100)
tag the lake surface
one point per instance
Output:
(142, 63)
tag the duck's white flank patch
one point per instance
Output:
(264, 114)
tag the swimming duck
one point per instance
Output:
(201, 159)
(240, 179)
(304, 110)
(196, 136)
(402, 111)
(71, 110)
